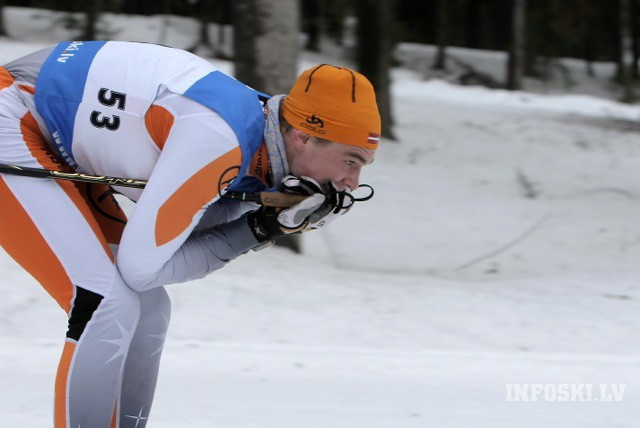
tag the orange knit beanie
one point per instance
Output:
(336, 104)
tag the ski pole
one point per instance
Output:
(269, 199)
(71, 176)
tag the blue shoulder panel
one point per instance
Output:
(60, 87)
(239, 106)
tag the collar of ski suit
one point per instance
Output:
(278, 164)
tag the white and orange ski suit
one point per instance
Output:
(131, 110)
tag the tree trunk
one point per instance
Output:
(200, 12)
(205, 40)
(635, 42)
(589, 52)
(442, 23)
(3, 30)
(92, 7)
(515, 71)
(625, 57)
(265, 40)
(219, 51)
(373, 53)
(472, 25)
(166, 22)
(312, 23)
(223, 17)
(266, 44)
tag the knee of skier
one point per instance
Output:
(135, 278)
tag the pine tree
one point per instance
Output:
(373, 53)
(515, 70)
(266, 44)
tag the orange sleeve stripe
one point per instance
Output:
(22, 239)
(176, 214)
(27, 88)
(60, 404)
(6, 79)
(158, 121)
(38, 148)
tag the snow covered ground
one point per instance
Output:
(502, 247)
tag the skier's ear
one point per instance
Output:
(299, 138)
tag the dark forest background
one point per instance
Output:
(586, 29)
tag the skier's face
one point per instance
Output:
(326, 161)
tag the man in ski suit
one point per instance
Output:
(164, 115)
